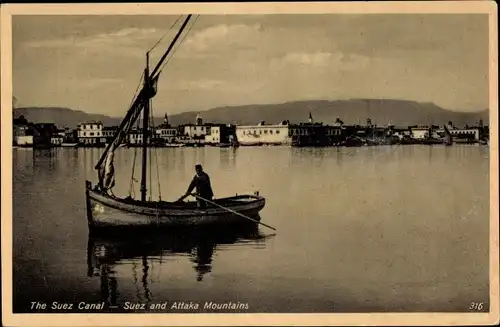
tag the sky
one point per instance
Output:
(93, 63)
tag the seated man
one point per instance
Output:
(201, 181)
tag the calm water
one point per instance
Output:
(358, 229)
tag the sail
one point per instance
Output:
(449, 138)
(154, 86)
(105, 164)
(107, 172)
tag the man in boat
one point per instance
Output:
(201, 181)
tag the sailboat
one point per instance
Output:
(106, 210)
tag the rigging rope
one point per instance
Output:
(150, 174)
(179, 44)
(148, 144)
(132, 179)
(137, 89)
(150, 182)
(158, 42)
(156, 155)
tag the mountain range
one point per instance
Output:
(352, 111)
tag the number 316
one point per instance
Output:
(476, 306)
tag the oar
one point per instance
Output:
(232, 211)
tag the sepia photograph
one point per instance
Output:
(250, 163)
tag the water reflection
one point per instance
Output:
(227, 158)
(22, 159)
(106, 254)
(45, 161)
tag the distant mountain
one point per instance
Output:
(62, 117)
(353, 111)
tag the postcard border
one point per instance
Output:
(7, 10)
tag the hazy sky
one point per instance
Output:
(93, 63)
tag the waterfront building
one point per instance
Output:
(43, 134)
(278, 134)
(462, 135)
(135, 137)
(214, 136)
(33, 135)
(399, 132)
(70, 135)
(220, 134)
(58, 137)
(23, 135)
(196, 131)
(91, 134)
(286, 133)
(22, 132)
(350, 131)
(314, 134)
(108, 132)
(165, 133)
(420, 132)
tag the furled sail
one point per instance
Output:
(105, 165)
(107, 172)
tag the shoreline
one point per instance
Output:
(258, 146)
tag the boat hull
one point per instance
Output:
(105, 211)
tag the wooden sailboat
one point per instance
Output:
(105, 210)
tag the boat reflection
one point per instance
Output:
(146, 249)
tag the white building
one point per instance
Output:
(421, 132)
(24, 140)
(166, 132)
(90, 133)
(198, 130)
(195, 131)
(135, 137)
(56, 140)
(470, 133)
(23, 136)
(264, 134)
(466, 133)
(109, 132)
(213, 137)
(400, 132)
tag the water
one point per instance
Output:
(378, 229)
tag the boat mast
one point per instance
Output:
(158, 65)
(141, 102)
(147, 85)
(145, 130)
